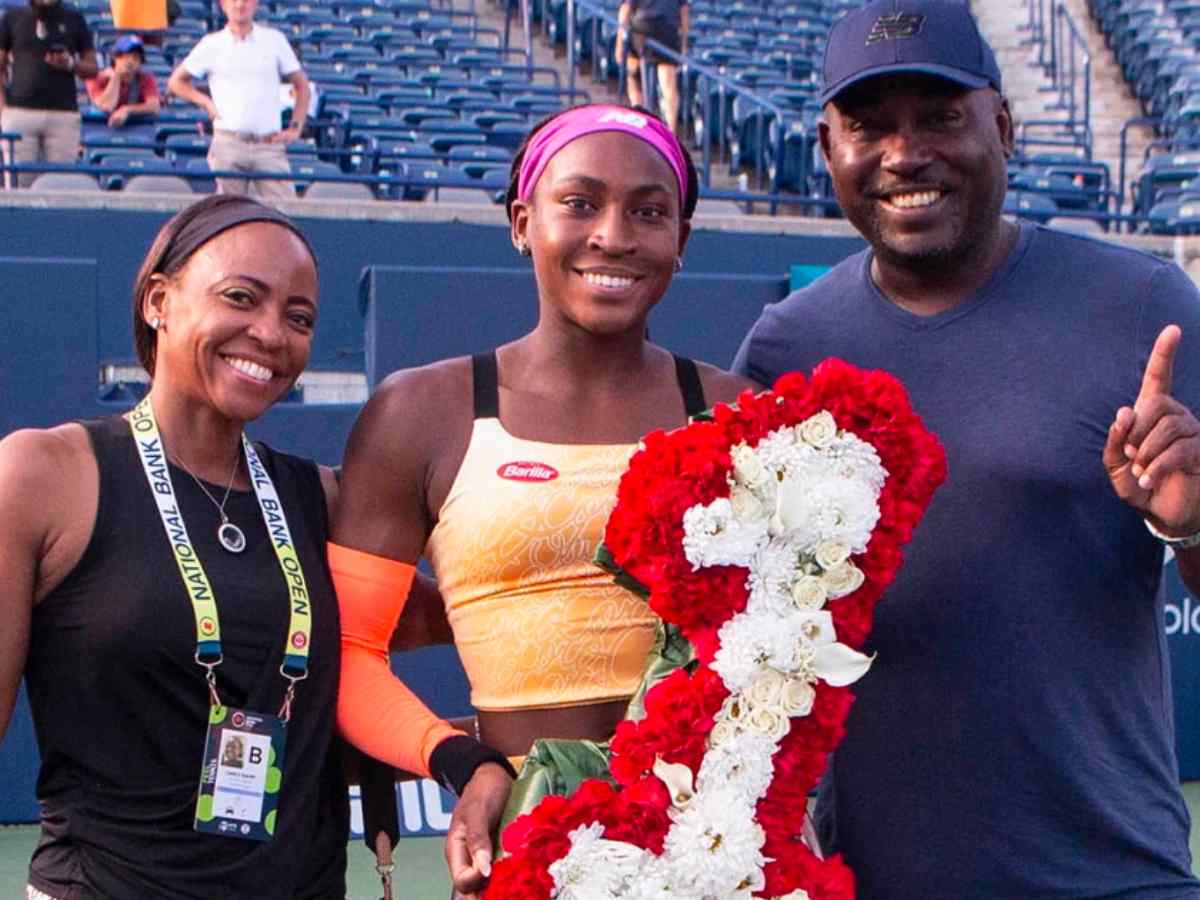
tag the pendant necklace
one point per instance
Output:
(232, 538)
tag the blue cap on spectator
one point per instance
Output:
(128, 43)
(932, 37)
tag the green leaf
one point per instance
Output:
(604, 559)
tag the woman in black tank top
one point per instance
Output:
(601, 199)
(136, 547)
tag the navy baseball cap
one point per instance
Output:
(933, 37)
(128, 43)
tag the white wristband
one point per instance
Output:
(1176, 543)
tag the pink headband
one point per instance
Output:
(584, 120)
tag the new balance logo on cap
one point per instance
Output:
(895, 26)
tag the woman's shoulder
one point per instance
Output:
(54, 454)
(721, 386)
(428, 387)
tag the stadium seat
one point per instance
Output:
(157, 184)
(338, 190)
(64, 181)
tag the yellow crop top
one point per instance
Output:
(536, 622)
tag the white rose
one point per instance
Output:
(746, 506)
(723, 732)
(842, 580)
(768, 722)
(809, 592)
(747, 467)
(831, 554)
(734, 709)
(767, 689)
(819, 430)
(797, 699)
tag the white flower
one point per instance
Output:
(768, 722)
(777, 450)
(767, 689)
(748, 469)
(723, 732)
(798, 696)
(772, 572)
(742, 762)
(842, 580)
(809, 592)
(819, 430)
(595, 868)
(839, 665)
(713, 536)
(831, 554)
(748, 643)
(811, 510)
(747, 507)
(678, 779)
(714, 846)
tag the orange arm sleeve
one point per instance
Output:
(375, 711)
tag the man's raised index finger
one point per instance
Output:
(1156, 380)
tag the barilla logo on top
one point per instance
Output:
(632, 119)
(527, 471)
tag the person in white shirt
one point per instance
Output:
(245, 63)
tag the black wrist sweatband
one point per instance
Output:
(455, 760)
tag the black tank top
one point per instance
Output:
(485, 389)
(120, 706)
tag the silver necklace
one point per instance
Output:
(229, 535)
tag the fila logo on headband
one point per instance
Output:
(895, 26)
(632, 119)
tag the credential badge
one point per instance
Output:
(895, 26)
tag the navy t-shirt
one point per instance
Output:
(1014, 738)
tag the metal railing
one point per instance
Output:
(1065, 60)
(704, 82)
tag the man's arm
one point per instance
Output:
(685, 25)
(87, 66)
(299, 83)
(105, 95)
(180, 84)
(3, 76)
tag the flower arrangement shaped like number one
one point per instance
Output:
(766, 534)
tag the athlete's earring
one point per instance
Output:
(155, 323)
(678, 264)
(523, 248)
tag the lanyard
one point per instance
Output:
(208, 624)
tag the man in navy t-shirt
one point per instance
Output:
(1014, 737)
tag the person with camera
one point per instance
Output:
(48, 46)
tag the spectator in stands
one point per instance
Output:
(665, 21)
(1015, 736)
(125, 89)
(509, 494)
(48, 46)
(244, 63)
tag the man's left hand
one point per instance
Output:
(286, 136)
(118, 117)
(469, 839)
(1153, 450)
